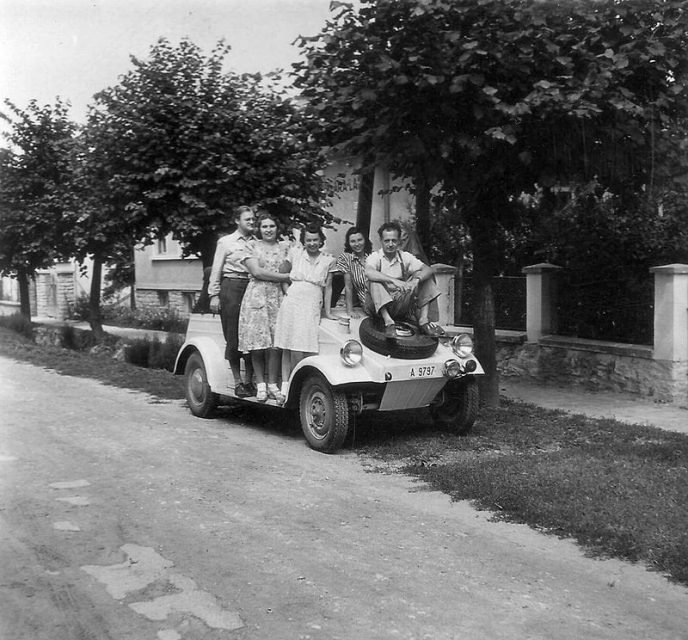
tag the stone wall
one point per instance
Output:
(177, 300)
(595, 366)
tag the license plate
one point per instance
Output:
(425, 371)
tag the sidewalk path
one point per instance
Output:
(597, 404)
(123, 332)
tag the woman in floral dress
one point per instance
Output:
(298, 319)
(266, 265)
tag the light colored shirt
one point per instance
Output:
(305, 269)
(230, 253)
(401, 267)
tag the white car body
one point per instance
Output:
(377, 382)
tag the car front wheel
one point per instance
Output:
(324, 415)
(201, 400)
(456, 407)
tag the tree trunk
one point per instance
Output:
(132, 286)
(24, 293)
(484, 232)
(94, 316)
(365, 202)
(458, 287)
(423, 213)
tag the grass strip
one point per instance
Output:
(98, 366)
(619, 490)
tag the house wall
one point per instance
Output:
(9, 296)
(52, 291)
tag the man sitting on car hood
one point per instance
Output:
(400, 286)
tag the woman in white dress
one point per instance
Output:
(296, 332)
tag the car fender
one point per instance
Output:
(213, 358)
(336, 372)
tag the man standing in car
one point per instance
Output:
(400, 286)
(228, 281)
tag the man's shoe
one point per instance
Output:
(242, 391)
(432, 329)
(251, 388)
(391, 331)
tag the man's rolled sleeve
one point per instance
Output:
(216, 270)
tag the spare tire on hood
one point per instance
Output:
(410, 343)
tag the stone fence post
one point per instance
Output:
(671, 313)
(444, 275)
(65, 277)
(541, 300)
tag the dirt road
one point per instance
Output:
(127, 519)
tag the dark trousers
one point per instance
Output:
(231, 294)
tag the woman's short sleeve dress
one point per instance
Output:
(299, 315)
(262, 299)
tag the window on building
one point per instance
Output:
(162, 245)
(164, 298)
(189, 299)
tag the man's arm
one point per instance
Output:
(424, 273)
(216, 276)
(420, 272)
(374, 274)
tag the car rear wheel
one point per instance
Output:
(201, 400)
(456, 407)
(324, 415)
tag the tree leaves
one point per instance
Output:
(185, 142)
(37, 205)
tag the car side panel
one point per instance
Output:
(216, 366)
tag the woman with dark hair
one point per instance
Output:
(261, 302)
(296, 332)
(352, 264)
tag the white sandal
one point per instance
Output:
(275, 393)
(262, 393)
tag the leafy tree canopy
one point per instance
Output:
(180, 142)
(514, 91)
(36, 172)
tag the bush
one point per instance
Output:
(160, 319)
(153, 354)
(76, 339)
(78, 310)
(19, 324)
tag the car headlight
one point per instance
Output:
(351, 353)
(452, 369)
(462, 345)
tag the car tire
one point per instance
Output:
(324, 414)
(201, 400)
(413, 347)
(457, 406)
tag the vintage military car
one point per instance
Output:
(357, 370)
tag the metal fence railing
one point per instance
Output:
(610, 310)
(509, 294)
